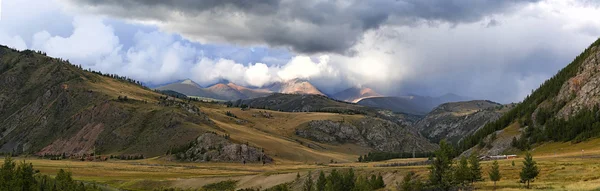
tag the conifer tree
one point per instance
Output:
(308, 184)
(495, 173)
(530, 170)
(321, 182)
(440, 175)
(475, 167)
(7, 172)
(462, 173)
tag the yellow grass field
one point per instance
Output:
(564, 171)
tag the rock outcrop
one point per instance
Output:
(453, 121)
(212, 147)
(381, 135)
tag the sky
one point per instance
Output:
(486, 49)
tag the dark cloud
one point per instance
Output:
(307, 26)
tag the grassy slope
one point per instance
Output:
(141, 125)
(276, 134)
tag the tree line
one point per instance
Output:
(342, 181)
(23, 177)
(381, 156)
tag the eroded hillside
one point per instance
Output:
(51, 106)
(453, 121)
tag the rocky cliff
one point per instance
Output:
(453, 121)
(381, 135)
(212, 147)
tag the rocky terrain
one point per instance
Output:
(581, 91)
(381, 135)
(212, 147)
(453, 121)
(294, 86)
(545, 114)
(50, 106)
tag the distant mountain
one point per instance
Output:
(249, 92)
(355, 94)
(231, 91)
(225, 92)
(453, 121)
(411, 104)
(294, 86)
(189, 88)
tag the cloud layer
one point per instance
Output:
(498, 50)
(307, 26)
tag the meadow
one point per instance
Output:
(559, 171)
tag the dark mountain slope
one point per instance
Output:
(304, 103)
(411, 104)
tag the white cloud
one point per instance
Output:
(90, 41)
(502, 63)
(15, 42)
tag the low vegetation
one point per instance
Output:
(343, 181)
(24, 177)
(381, 156)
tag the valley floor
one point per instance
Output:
(565, 169)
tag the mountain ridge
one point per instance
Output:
(544, 114)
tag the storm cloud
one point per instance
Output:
(484, 49)
(307, 26)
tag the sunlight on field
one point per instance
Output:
(564, 171)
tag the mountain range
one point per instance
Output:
(227, 91)
(230, 91)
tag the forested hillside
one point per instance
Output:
(564, 108)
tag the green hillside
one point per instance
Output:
(542, 106)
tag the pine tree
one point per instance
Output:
(25, 179)
(380, 183)
(348, 180)
(7, 172)
(462, 173)
(64, 180)
(530, 169)
(495, 173)
(441, 168)
(475, 167)
(410, 182)
(308, 184)
(321, 182)
(335, 181)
